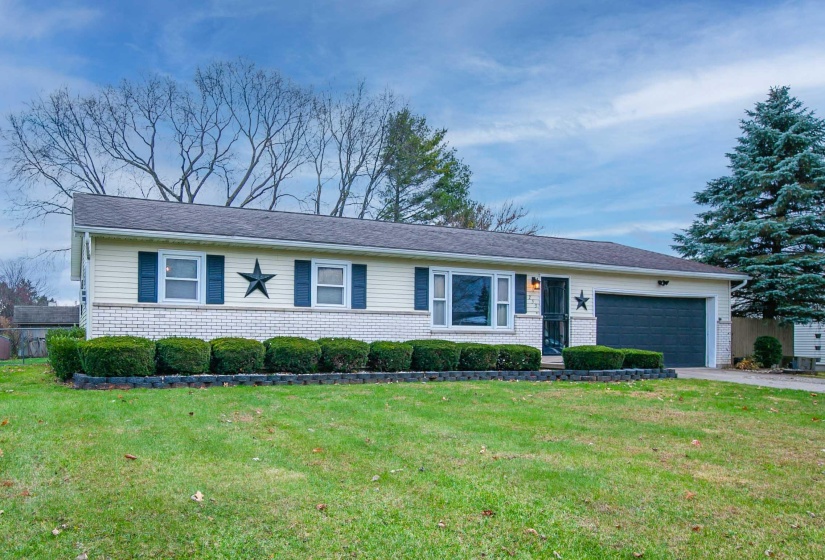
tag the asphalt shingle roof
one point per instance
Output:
(46, 315)
(97, 211)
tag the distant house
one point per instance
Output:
(157, 269)
(36, 320)
(807, 343)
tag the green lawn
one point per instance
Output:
(408, 470)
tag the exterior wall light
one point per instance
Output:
(536, 283)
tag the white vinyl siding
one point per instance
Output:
(805, 341)
(390, 280)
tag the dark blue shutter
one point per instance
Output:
(303, 281)
(214, 279)
(359, 286)
(521, 293)
(147, 277)
(422, 288)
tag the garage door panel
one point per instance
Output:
(675, 326)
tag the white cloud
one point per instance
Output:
(630, 228)
(18, 22)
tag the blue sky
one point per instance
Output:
(603, 118)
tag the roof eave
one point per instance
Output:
(435, 255)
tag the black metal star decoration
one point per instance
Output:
(581, 301)
(257, 281)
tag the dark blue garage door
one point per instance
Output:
(675, 326)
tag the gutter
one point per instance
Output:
(403, 253)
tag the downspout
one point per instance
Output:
(740, 285)
(87, 248)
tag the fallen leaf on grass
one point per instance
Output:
(82, 556)
(197, 496)
(4, 422)
(7, 483)
(256, 458)
(56, 532)
(488, 513)
(696, 442)
(191, 414)
(773, 409)
(483, 449)
(375, 478)
(638, 554)
(812, 514)
(690, 495)
(531, 532)
(25, 493)
(696, 528)
(769, 553)
(441, 523)
(318, 450)
(130, 457)
(321, 507)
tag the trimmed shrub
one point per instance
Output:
(61, 345)
(178, 355)
(390, 356)
(291, 354)
(118, 356)
(72, 332)
(64, 357)
(435, 355)
(642, 359)
(477, 357)
(518, 357)
(236, 355)
(592, 357)
(343, 354)
(767, 350)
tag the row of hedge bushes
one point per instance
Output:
(604, 357)
(134, 356)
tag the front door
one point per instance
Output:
(554, 312)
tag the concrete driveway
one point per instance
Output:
(774, 380)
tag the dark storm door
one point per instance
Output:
(555, 315)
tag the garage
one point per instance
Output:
(675, 326)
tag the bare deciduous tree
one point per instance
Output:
(507, 218)
(238, 132)
(237, 135)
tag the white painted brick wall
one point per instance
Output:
(582, 331)
(723, 344)
(159, 321)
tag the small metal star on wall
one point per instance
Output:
(257, 281)
(581, 301)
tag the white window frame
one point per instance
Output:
(494, 276)
(201, 281)
(326, 263)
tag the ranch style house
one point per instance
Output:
(156, 269)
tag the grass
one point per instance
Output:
(567, 471)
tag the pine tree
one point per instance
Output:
(767, 218)
(425, 180)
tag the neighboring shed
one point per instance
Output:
(5, 348)
(35, 320)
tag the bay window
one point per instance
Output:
(472, 299)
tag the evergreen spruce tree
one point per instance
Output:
(767, 218)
